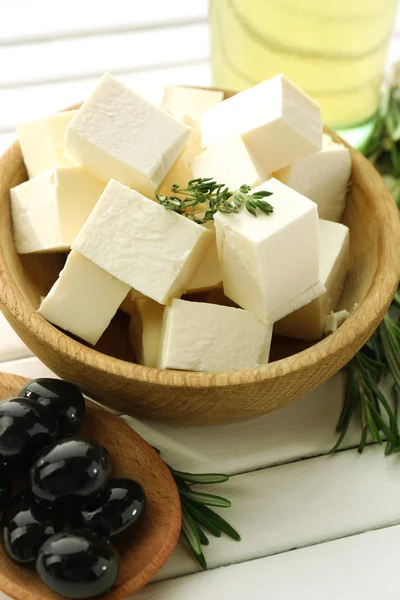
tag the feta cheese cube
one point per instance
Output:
(276, 120)
(228, 163)
(208, 275)
(42, 143)
(323, 177)
(179, 100)
(308, 322)
(49, 210)
(117, 134)
(270, 263)
(154, 250)
(145, 329)
(84, 299)
(181, 172)
(205, 337)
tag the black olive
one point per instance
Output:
(70, 471)
(78, 564)
(5, 486)
(26, 525)
(120, 505)
(63, 398)
(25, 429)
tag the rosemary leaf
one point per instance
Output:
(390, 335)
(208, 499)
(219, 522)
(203, 538)
(396, 299)
(201, 518)
(191, 532)
(200, 477)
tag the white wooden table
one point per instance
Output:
(314, 526)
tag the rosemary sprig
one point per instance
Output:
(196, 514)
(381, 354)
(203, 197)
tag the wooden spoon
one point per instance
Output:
(143, 550)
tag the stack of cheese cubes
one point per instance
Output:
(93, 176)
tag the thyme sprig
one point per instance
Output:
(379, 416)
(196, 514)
(203, 197)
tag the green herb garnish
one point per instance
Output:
(196, 514)
(381, 354)
(204, 197)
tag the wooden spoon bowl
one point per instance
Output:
(108, 372)
(143, 550)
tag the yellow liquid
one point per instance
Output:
(334, 49)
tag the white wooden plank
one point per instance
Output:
(23, 20)
(301, 504)
(90, 56)
(23, 103)
(11, 346)
(363, 567)
(302, 429)
(26, 367)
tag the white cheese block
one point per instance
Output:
(323, 177)
(206, 337)
(270, 263)
(179, 100)
(181, 172)
(228, 162)
(334, 320)
(48, 211)
(145, 329)
(84, 299)
(276, 120)
(308, 322)
(119, 135)
(208, 275)
(154, 250)
(42, 143)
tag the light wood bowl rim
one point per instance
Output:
(371, 308)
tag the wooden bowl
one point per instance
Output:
(143, 551)
(107, 372)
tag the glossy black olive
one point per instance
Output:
(62, 397)
(78, 565)
(25, 527)
(71, 470)
(5, 486)
(120, 505)
(25, 429)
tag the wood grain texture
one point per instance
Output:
(300, 504)
(361, 567)
(211, 398)
(143, 551)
